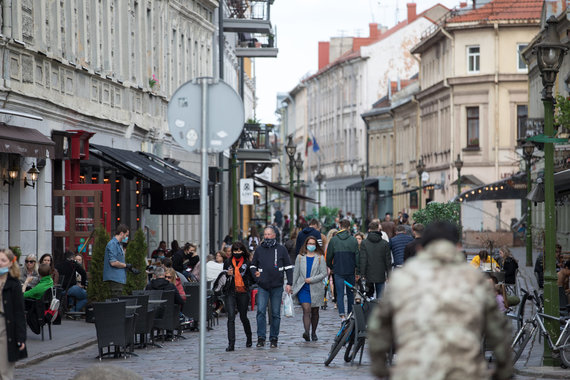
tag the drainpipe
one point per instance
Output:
(496, 85)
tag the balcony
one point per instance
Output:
(248, 16)
(256, 143)
(256, 45)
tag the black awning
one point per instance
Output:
(284, 190)
(26, 142)
(509, 188)
(367, 182)
(171, 184)
(468, 179)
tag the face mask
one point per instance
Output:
(161, 257)
(125, 240)
(311, 248)
(4, 270)
(238, 255)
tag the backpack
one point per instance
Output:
(51, 314)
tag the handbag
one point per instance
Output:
(288, 305)
(222, 284)
(51, 314)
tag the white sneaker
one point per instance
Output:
(342, 318)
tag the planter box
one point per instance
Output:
(478, 238)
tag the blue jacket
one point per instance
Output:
(271, 262)
(398, 245)
(304, 234)
(341, 253)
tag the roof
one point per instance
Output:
(502, 10)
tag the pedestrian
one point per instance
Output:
(12, 318)
(330, 274)
(311, 230)
(269, 262)
(29, 272)
(375, 260)
(413, 247)
(485, 262)
(48, 259)
(237, 296)
(388, 225)
(291, 244)
(398, 244)
(114, 266)
(509, 265)
(443, 287)
(252, 238)
(286, 226)
(405, 222)
(160, 252)
(341, 258)
(308, 275)
(278, 218)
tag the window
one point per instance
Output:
(473, 59)
(521, 65)
(522, 116)
(472, 127)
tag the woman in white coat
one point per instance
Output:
(310, 270)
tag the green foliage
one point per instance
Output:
(562, 111)
(327, 216)
(98, 291)
(435, 211)
(16, 250)
(136, 255)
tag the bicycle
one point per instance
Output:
(347, 332)
(560, 348)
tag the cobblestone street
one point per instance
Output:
(180, 358)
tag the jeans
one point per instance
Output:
(379, 286)
(339, 287)
(241, 300)
(263, 296)
(80, 296)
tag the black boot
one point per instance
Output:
(249, 342)
(260, 342)
(230, 347)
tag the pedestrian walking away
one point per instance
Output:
(269, 262)
(441, 331)
(398, 245)
(12, 339)
(308, 275)
(341, 258)
(240, 277)
(375, 260)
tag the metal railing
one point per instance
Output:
(248, 9)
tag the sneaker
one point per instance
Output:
(342, 318)
(273, 344)
(260, 342)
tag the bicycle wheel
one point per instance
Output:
(347, 355)
(565, 350)
(340, 340)
(521, 341)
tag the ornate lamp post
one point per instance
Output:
(458, 165)
(549, 55)
(319, 178)
(528, 150)
(420, 167)
(290, 149)
(299, 167)
(362, 200)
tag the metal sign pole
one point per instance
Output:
(204, 229)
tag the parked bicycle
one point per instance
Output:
(559, 348)
(353, 328)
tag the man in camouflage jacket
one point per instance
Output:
(437, 309)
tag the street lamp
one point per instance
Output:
(362, 200)
(290, 149)
(528, 150)
(420, 167)
(319, 178)
(299, 167)
(549, 55)
(458, 165)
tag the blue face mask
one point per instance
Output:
(161, 257)
(311, 248)
(4, 270)
(125, 239)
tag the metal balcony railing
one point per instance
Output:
(248, 9)
(257, 142)
(256, 45)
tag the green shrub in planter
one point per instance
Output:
(136, 255)
(435, 211)
(98, 291)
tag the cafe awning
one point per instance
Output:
(166, 182)
(469, 180)
(26, 142)
(284, 190)
(358, 185)
(509, 188)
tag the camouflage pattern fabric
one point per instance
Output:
(436, 310)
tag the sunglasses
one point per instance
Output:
(30, 261)
(168, 277)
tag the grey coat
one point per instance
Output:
(318, 273)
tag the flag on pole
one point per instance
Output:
(308, 145)
(316, 147)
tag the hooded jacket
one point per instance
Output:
(163, 284)
(304, 234)
(375, 258)
(341, 253)
(271, 260)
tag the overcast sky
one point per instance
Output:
(301, 24)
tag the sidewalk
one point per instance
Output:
(70, 336)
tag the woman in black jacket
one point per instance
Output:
(509, 265)
(12, 319)
(240, 278)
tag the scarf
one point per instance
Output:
(240, 286)
(268, 243)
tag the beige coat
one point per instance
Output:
(318, 273)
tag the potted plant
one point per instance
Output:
(435, 211)
(270, 40)
(136, 255)
(98, 290)
(17, 251)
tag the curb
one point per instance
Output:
(541, 373)
(42, 357)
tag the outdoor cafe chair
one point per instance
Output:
(114, 328)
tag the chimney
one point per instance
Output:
(374, 31)
(474, 4)
(411, 12)
(324, 57)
